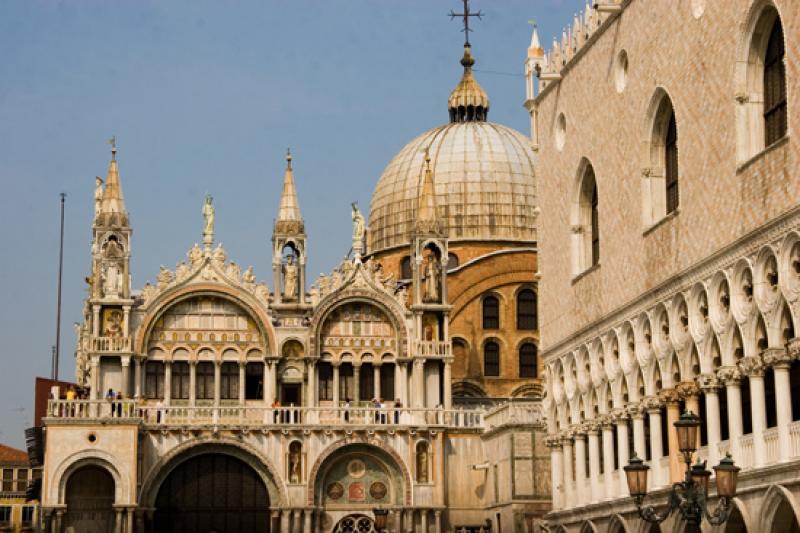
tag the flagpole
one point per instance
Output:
(57, 350)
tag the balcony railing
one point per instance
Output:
(111, 344)
(434, 348)
(149, 413)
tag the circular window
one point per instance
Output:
(561, 131)
(621, 71)
(698, 8)
(92, 438)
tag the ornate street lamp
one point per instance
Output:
(381, 517)
(691, 495)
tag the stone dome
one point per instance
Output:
(484, 180)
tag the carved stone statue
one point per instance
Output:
(233, 271)
(181, 271)
(430, 274)
(248, 278)
(208, 217)
(112, 281)
(98, 194)
(359, 230)
(195, 255)
(148, 291)
(219, 255)
(422, 464)
(290, 279)
(164, 277)
(294, 467)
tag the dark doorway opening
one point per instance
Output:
(290, 394)
(212, 492)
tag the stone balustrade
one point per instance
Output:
(152, 414)
(111, 344)
(434, 348)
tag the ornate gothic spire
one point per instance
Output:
(112, 210)
(289, 219)
(428, 220)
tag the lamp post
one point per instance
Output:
(381, 517)
(689, 496)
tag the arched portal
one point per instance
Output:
(90, 500)
(785, 519)
(212, 492)
(735, 522)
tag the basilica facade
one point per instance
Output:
(407, 380)
(670, 256)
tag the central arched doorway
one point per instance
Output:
(90, 500)
(212, 493)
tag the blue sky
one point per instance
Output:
(206, 96)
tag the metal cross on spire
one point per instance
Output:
(466, 15)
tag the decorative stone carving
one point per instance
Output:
(111, 277)
(777, 357)
(729, 375)
(219, 256)
(359, 230)
(182, 271)
(195, 255)
(431, 276)
(290, 279)
(708, 382)
(208, 221)
(233, 272)
(687, 389)
(670, 396)
(752, 365)
(652, 403)
(164, 278)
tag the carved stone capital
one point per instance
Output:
(652, 403)
(687, 389)
(606, 421)
(776, 357)
(793, 347)
(729, 375)
(708, 382)
(619, 416)
(553, 442)
(636, 410)
(670, 396)
(752, 365)
(592, 427)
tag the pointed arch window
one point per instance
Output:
(775, 86)
(671, 163)
(491, 312)
(595, 225)
(528, 361)
(585, 221)
(491, 359)
(526, 310)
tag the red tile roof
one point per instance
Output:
(12, 455)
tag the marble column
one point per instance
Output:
(754, 367)
(126, 376)
(639, 442)
(129, 520)
(192, 382)
(447, 384)
(241, 382)
(376, 379)
(671, 398)
(608, 458)
(311, 396)
(556, 470)
(167, 382)
(356, 382)
(217, 382)
(731, 377)
(423, 520)
(783, 394)
(593, 433)
(96, 393)
(623, 447)
(95, 321)
(438, 517)
(285, 520)
(118, 520)
(656, 447)
(137, 377)
(335, 365)
(710, 387)
(307, 519)
(580, 468)
(418, 380)
(569, 482)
